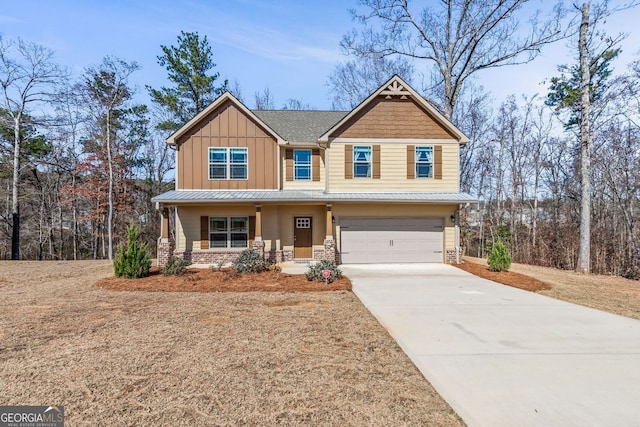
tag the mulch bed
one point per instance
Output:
(226, 280)
(508, 278)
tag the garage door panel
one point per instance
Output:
(379, 240)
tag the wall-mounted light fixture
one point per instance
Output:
(333, 219)
(453, 218)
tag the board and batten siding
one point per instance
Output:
(227, 126)
(393, 169)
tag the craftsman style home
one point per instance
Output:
(376, 184)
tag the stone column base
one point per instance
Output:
(165, 251)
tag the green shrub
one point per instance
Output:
(315, 271)
(175, 266)
(499, 258)
(249, 261)
(133, 260)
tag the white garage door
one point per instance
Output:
(391, 240)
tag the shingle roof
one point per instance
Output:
(252, 196)
(298, 126)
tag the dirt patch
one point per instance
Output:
(207, 280)
(508, 278)
(608, 293)
(196, 359)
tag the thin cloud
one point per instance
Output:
(272, 44)
(4, 19)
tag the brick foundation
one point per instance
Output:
(165, 249)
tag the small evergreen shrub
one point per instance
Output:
(132, 260)
(315, 271)
(249, 261)
(499, 259)
(175, 266)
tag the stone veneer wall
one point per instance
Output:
(165, 250)
(450, 256)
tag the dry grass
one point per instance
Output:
(176, 358)
(226, 280)
(609, 293)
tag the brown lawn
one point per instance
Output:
(196, 358)
(609, 293)
(207, 280)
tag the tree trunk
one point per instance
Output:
(15, 206)
(584, 253)
(110, 214)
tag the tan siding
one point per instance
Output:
(317, 171)
(227, 127)
(392, 118)
(393, 171)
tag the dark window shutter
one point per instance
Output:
(437, 162)
(288, 155)
(315, 164)
(348, 161)
(252, 230)
(376, 161)
(204, 232)
(411, 161)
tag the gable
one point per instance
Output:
(392, 117)
(227, 120)
(226, 125)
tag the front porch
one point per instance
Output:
(217, 234)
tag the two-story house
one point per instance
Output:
(376, 184)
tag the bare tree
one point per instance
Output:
(107, 88)
(459, 37)
(27, 76)
(264, 100)
(352, 81)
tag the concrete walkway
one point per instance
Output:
(505, 357)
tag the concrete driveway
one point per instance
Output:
(505, 357)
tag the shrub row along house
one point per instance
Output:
(379, 183)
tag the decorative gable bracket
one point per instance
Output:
(395, 89)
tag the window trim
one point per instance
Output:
(370, 162)
(309, 165)
(417, 162)
(228, 163)
(228, 232)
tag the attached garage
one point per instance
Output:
(391, 240)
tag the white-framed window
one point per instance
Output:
(228, 232)
(302, 165)
(303, 222)
(424, 162)
(228, 162)
(362, 161)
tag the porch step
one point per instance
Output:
(303, 260)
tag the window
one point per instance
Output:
(228, 163)
(424, 162)
(302, 165)
(361, 161)
(229, 232)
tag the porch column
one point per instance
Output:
(258, 235)
(329, 242)
(165, 245)
(164, 228)
(329, 224)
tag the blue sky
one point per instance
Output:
(288, 46)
